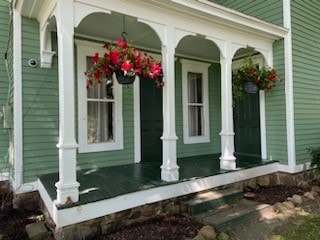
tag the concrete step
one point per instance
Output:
(209, 200)
(231, 215)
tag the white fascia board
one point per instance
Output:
(229, 17)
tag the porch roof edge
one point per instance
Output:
(227, 17)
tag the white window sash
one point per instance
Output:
(201, 68)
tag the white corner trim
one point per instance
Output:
(291, 150)
(263, 128)
(137, 121)
(17, 102)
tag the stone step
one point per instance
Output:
(209, 200)
(231, 215)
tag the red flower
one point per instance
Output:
(272, 75)
(123, 57)
(95, 58)
(122, 43)
(107, 70)
(114, 57)
(126, 66)
(98, 74)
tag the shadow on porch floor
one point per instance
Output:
(103, 183)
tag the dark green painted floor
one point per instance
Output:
(108, 182)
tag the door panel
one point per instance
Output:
(151, 121)
(247, 126)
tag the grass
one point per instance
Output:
(302, 227)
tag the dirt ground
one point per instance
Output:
(13, 222)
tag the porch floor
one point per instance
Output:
(104, 183)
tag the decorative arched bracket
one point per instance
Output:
(46, 53)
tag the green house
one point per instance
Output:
(90, 153)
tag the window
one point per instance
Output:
(195, 102)
(99, 107)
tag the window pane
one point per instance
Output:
(195, 115)
(101, 91)
(100, 122)
(195, 87)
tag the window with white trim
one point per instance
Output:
(99, 107)
(195, 102)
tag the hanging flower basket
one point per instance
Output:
(250, 79)
(126, 62)
(250, 87)
(122, 79)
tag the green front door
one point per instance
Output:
(151, 121)
(247, 126)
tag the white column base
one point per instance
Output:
(169, 168)
(228, 163)
(170, 173)
(227, 159)
(67, 193)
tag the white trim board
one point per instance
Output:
(17, 102)
(4, 176)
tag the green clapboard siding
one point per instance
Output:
(306, 62)
(186, 150)
(276, 112)
(5, 81)
(41, 115)
(40, 108)
(269, 11)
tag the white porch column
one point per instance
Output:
(169, 168)
(227, 159)
(67, 187)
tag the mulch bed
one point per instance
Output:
(272, 194)
(176, 227)
(13, 222)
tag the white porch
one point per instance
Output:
(170, 28)
(108, 190)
